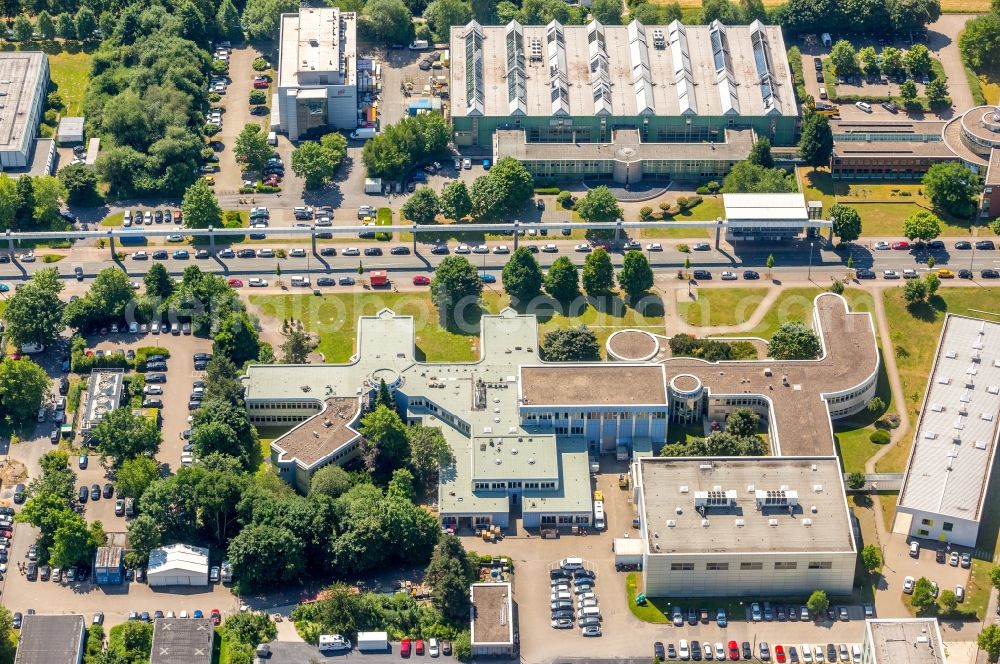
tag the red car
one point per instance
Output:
(404, 648)
(272, 180)
(418, 646)
(236, 283)
(260, 84)
(421, 280)
(216, 617)
(734, 651)
(779, 654)
(900, 246)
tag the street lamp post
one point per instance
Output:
(810, 260)
(972, 257)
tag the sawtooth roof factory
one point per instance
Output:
(665, 101)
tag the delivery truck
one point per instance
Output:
(363, 133)
(373, 185)
(373, 641)
(379, 279)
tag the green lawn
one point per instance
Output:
(603, 315)
(679, 233)
(852, 434)
(70, 73)
(383, 217)
(915, 332)
(795, 304)
(334, 317)
(650, 611)
(721, 306)
(883, 206)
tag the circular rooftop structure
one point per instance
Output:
(973, 135)
(632, 345)
(685, 385)
(391, 377)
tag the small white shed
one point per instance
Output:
(178, 565)
(628, 550)
(70, 131)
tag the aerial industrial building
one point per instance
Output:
(948, 474)
(24, 81)
(317, 72)
(625, 101)
(523, 431)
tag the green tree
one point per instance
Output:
(23, 29)
(933, 283)
(200, 207)
(608, 12)
(816, 144)
(793, 341)
(312, 162)
(760, 153)
(80, 182)
(456, 203)
(892, 61)
(743, 423)
(34, 312)
(856, 480)
(72, 542)
(846, 222)
(915, 290)
(429, 453)
(462, 646)
(571, 344)
(422, 207)
(261, 17)
(952, 187)
(45, 25)
(123, 435)
(503, 191)
(442, 14)
(252, 148)
(296, 348)
(8, 646)
(844, 58)
(937, 93)
(135, 475)
(769, 264)
(385, 446)
(24, 217)
(562, 281)
(158, 281)
(818, 602)
(995, 577)
(383, 397)
(237, 339)
(49, 195)
(387, 21)
(918, 60)
(331, 481)
(636, 276)
(264, 556)
(871, 557)
(455, 283)
(522, 276)
(23, 384)
(921, 225)
(251, 628)
(876, 406)
(65, 27)
(923, 594)
(748, 178)
(979, 42)
(598, 273)
(599, 204)
(989, 641)
(908, 92)
(8, 202)
(135, 642)
(949, 600)
(227, 21)
(86, 23)
(869, 61)
(401, 485)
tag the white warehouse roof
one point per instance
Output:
(765, 207)
(178, 565)
(956, 437)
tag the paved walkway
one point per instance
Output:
(942, 40)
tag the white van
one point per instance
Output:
(300, 281)
(864, 106)
(807, 655)
(272, 138)
(822, 93)
(333, 643)
(556, 596)
(589, 612)
(570, 564)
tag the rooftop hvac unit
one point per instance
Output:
(772, 522)
(704, 523)
(807, 522)
(740, 523)
(714, 498)
(780, 498)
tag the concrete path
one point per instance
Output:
(942, 40)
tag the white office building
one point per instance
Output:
(317, 72)
(948, 474)
(903, 641)
(744, 526)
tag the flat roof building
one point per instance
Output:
(70, 130)
(765, 217)
(24, 81)
(178, 565)
(744, 526)
(948, 474)
(187, 640)
(317, 72)
(885, 150)
(523, 431)
(903, 641)
(51, 639)
(493, 629)
(611, 93)
(104, 394)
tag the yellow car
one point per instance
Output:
(945, 274)
(210, 180)
(598, 495)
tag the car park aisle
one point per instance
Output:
(237, 116)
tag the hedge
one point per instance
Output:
(546, 191)
(879, 437)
